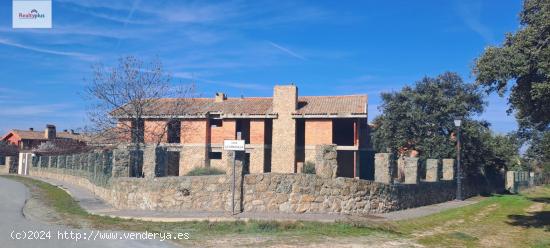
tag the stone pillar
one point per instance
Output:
(433, 167)
(257, 154)
(411, 170)
(283, 147)
(531, 179)
(326, 163)
(382, 168)
(239, 178)
(11, 162)
(121, 162)
(149, 161)
(192, 156)
(401, 169)
(448, 169)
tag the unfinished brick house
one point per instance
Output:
(280, 132)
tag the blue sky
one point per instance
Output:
(246, 47)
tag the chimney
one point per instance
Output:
(49, 133)
(31, 129)
(285, 99)
(220, 97)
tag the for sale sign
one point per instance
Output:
(233, 145)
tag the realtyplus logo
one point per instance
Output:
(33, 14)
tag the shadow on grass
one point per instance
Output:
(536, 220)
(540, 199)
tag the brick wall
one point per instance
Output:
(257, 131)
(318, 132)
(228, 131)
(194, 131)
(155, 130)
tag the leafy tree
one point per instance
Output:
(420, 118)
(524, 59)
(537, 155)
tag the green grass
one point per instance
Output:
(205, 171)
(64, 205)
(499, 220)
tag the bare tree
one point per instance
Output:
(123, 97)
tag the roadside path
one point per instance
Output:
(95, 205)
(13, 196)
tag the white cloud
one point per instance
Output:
(81, 56)
(470, 12)
(33, 110)
(286, 50)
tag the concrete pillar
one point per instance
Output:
(283, 147)
(382, 168)
(448, 169)
(510, 181)
(531, 179)
(11, 163)
(433, 167)
(411, 170)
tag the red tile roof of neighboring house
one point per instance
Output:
(39, 135)
(307, 105)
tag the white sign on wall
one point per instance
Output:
(233, 145)
(32, 14)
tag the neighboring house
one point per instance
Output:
(280, 132)
(30, 139)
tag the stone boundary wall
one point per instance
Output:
(304, 193)
(268, 192)
(208, 193)
(103, 173)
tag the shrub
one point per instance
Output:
(309, 168)
(204, 171)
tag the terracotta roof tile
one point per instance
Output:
(39, 135)
(307, 105)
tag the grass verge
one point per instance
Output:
(64, 205)
(497, 221)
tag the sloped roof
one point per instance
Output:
(39, 135)
(307, 105)
(337, 105)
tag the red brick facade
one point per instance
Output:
(318, 131)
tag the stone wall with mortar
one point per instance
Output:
(306, 193)
(266, 192)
